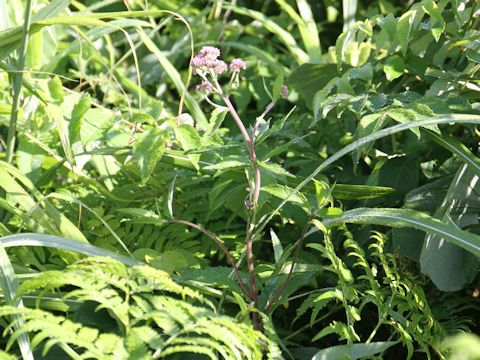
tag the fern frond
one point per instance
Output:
(157, 315)
(58, 329)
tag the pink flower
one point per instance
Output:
(284, 91)
(220, 66)
(198, 61)
(205, 86)
(209, 52)
(237, 65)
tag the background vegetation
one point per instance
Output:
(119, 180)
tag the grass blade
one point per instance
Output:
(349, 10)
(57, 242)
(353, 351)
(9, 285)
(457, 148)
(444, 119)
(409, 218)
(192, 105)
(300, 56)
(306, 26)
(22, 52)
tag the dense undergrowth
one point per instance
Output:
(239, 180)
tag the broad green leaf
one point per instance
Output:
(410, 218)
(190, 139)
(353, 351)
(56, 89)
(357, 53)
(29, 157)
(148, 150)
(437, 24)
(173, 260)
(408, 242)
(404, 115)
(394, 67)
(275, 168)
(227, 162)
(390, 25)
(322, 193)
(368, 125)
(404, 28)
(76, 122)
(281, 191)
(447, 264)
(341, 46)
(400, 173)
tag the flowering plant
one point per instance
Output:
(209, 67)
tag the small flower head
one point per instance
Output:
(205, 86)
(237, 65)
(284, 91)
(209, 53)
(198, 61)
(220, 67)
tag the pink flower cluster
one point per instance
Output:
(237, 65)
(205, 86)
(207, 59)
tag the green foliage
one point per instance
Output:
(110, 151)
(154, 315)
(400, 302)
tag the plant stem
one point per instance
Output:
(253, 284)
(297, 250)
(248, 140)
(22, 52)
(225, 250)
(256, 195)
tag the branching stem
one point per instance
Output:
(297, 250)
(225, 250)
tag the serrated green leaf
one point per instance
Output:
(216, 120)
(190, 139)
(394, 67)
(148, 150)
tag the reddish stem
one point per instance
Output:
(297, 250)
(225, 250)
